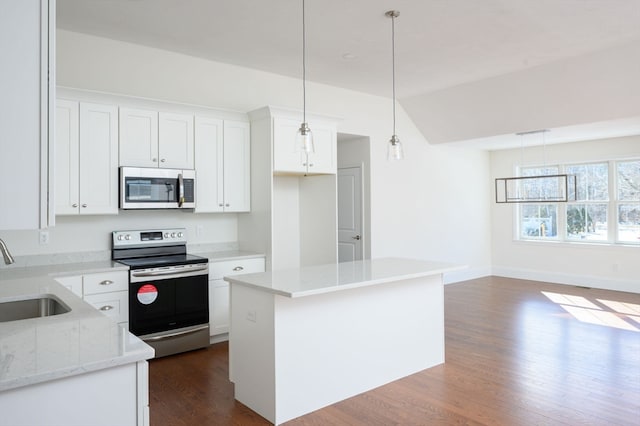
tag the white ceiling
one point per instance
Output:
(439, 43)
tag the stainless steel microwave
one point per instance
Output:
(154, 188)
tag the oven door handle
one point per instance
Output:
(177, 274)
(170, 335)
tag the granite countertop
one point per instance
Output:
(41, 349)
(311, 280)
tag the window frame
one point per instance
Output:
(613, 202)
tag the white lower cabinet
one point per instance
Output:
(219, 289)
(112, 396)
(106, 291)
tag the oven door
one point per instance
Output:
(160, 300)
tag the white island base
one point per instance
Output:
(307, 338)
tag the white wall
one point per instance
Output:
(594, 265)
(434, 205)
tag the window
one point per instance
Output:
(628, 201)
(586, 218)
(539, 221)
(606, 207)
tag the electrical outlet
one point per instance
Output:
(251, 316)
(199, 230)
(44, 238)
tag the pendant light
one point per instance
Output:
(304, 137)
(395, 151)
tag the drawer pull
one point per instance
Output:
(238, 268)
(106, 282)
(106, 308)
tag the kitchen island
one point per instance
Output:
(302, 339)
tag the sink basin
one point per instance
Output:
(37, 307)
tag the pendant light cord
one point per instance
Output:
(393, 68)
(304, 70)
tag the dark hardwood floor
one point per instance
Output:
(517, 353)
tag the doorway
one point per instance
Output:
(350, 217)
(353, 190)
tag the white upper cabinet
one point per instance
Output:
(209, 165)
(222, 163)
(286, 159)
(26, 98)
(138, 138)
(86, 158)
(175, 146)
(237, 166)
(152, 139)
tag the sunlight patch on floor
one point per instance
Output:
(606, 312)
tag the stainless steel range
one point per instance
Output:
(168, 289)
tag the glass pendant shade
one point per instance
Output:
(395, 151)
(304, 139)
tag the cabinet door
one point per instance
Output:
(218, 307)
(323, 159)
(26, 43)
(209, 165)
(237, 166)
(138, 138)
(286, 159)
(175, 140)
(98, 159)
(67, 177)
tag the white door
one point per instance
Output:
(138, 138)
(98, 159)
(175, 140)
(209, 165)
(67, 157)
(350, 238)
(237, 163)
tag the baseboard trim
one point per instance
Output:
(631, 286)
(466, 274)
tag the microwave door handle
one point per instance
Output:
(180, 190)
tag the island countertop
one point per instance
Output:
(311, 280)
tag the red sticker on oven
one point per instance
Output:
(147, 294)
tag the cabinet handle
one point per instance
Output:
(155, 160)
(310, 164)
(226, 205)
(220, 205)
(238, 268)
(106, 282)
(84, 206)
(106, 308)
(163, 160)
(74, 205)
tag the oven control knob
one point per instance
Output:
(166, 235)
(120, 237)
(127, 237)
(180, 234)
(173, 235)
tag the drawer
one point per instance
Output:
(106, 282)
(217, 270)
(115, 305)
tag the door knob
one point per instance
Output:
(357, 237)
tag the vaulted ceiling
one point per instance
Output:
(440, 44)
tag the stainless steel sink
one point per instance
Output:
(37, 307)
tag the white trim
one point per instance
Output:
(632, 286)
(466, 274)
